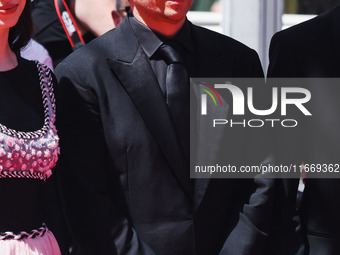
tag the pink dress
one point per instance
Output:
(31, 155)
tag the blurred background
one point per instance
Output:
(253, 22)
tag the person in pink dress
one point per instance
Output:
(28, 138)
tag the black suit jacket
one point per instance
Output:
(125, 186)
(312, 49)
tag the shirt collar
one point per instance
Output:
(151, 40)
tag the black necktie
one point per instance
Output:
(177, 93)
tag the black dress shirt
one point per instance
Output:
(151, 41)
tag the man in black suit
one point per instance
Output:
(124, 169)
(312, 50)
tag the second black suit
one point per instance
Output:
(312, 50)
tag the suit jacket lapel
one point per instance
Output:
(137, 77)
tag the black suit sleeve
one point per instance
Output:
(93, 205)
(250, 235)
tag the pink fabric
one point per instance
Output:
(32, 154)
(44, 245)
